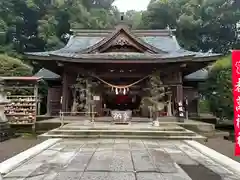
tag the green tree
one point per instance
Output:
(10, 66)
(133, 19)
(201, 25)
(218, 89)
(13, 67)
(39, 25)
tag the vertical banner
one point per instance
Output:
(236, 97)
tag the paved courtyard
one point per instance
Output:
(121, 159)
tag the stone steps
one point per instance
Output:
(120, 131)
(47, 136)
(122, 128)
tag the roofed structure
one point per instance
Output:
(97, 46)
(117, 57)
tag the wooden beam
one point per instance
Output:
(133, 87)
(114, 75)
(131, 92)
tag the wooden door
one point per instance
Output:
(54, 98)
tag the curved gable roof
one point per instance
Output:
(161, 43)
(120, 31)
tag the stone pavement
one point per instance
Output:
(121, 159)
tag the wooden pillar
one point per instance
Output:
(49, 102)
(71, 80)
(36, 101)
(179, 93)
(39, 105)
(64, 92)
(67, 82)
(169, 106)
(179, 88)
(36, 97)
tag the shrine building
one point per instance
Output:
(111, 68)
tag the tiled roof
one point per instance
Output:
(165, 43)
(162, 40)
(168, 44)
(199, 75)
(47, 74)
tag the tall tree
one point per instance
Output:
(218, 89)
(133, 18)
(39, 25)
(201, 25)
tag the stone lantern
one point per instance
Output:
(4, 126)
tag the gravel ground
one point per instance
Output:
(14, 146)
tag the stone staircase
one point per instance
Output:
(5, 131)
(138, 130)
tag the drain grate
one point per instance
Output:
(200, 172)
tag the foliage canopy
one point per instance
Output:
(13, 67)
(218, 89)
(201, 25)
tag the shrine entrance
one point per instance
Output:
(138, 96)
(122, 102)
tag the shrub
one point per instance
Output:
(13, 67)
(218, 89)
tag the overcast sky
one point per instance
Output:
(125, 5)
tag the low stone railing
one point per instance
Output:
(62, 115)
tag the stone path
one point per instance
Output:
(121, 159)
(14, 146)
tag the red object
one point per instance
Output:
(236, 97)
(161, 114)
(120, 99)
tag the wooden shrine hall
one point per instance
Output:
(109, 69)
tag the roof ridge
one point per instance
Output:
(138, 32)
(114, 33)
